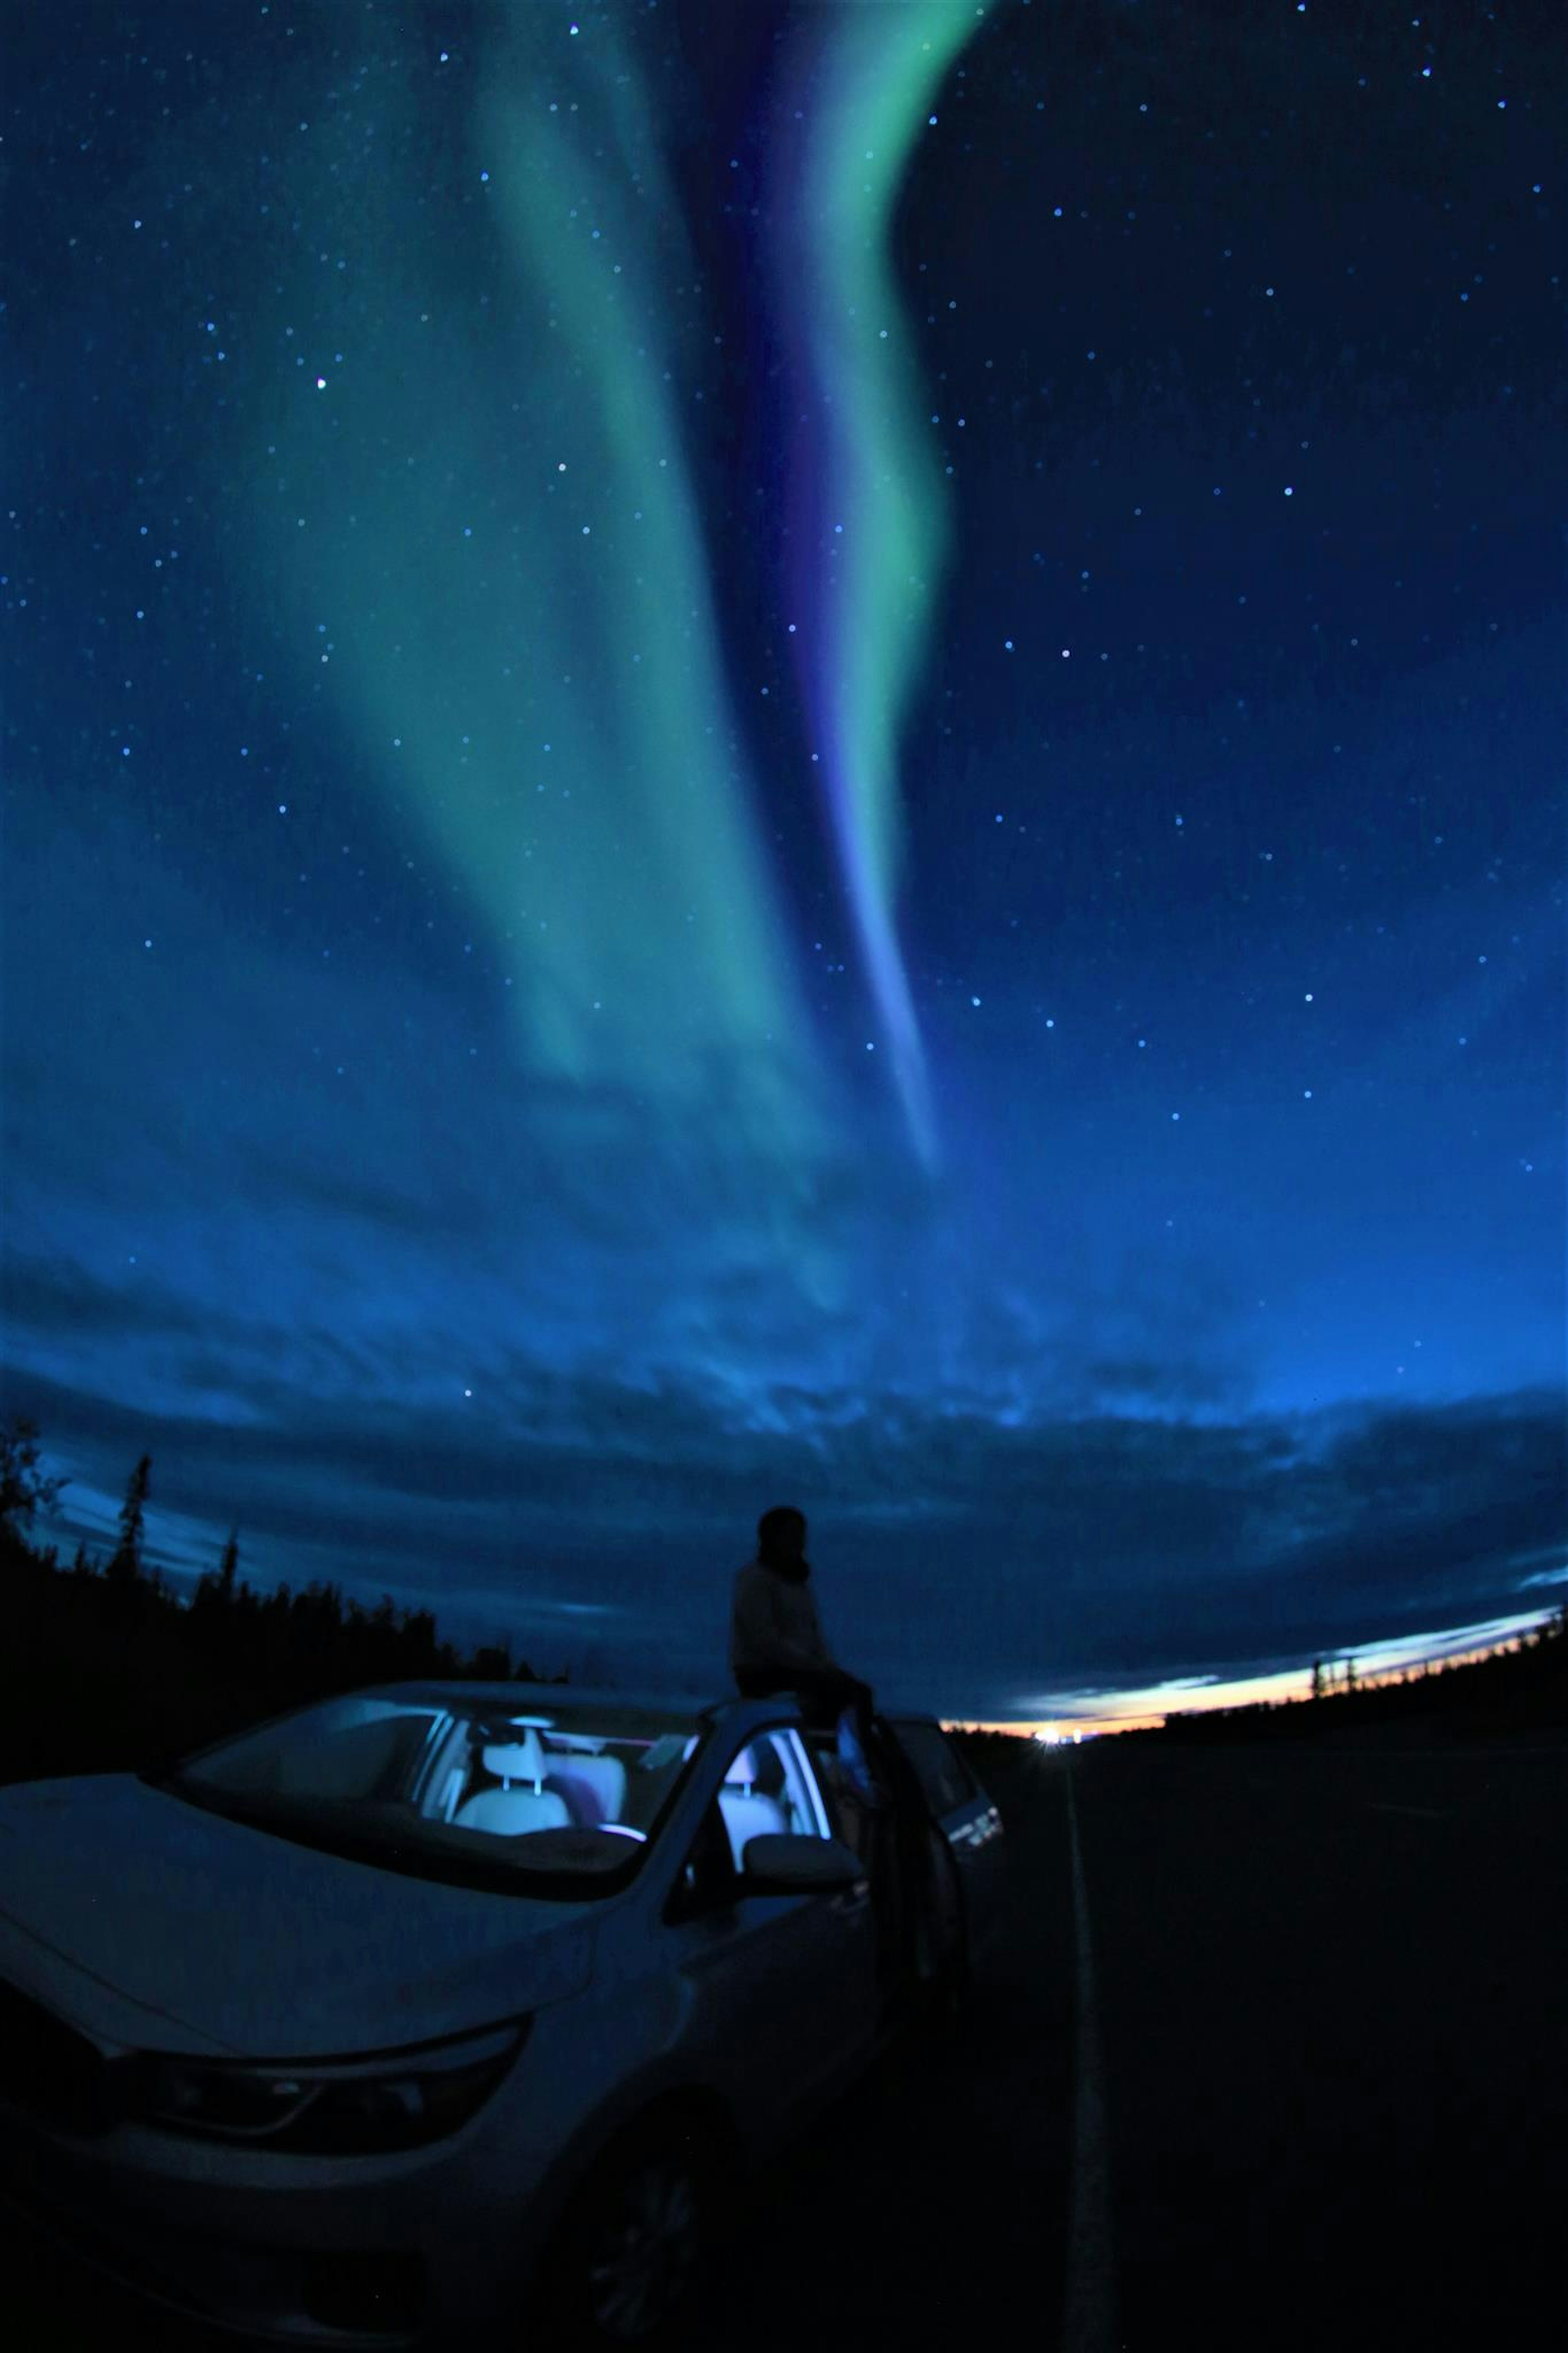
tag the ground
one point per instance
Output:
(1334, 2055)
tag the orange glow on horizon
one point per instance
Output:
(1087, 1712)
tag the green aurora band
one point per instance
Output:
(877, 527)
(501, 558)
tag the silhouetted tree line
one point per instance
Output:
(292, 1645)
(990, 1755)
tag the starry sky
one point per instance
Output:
(807, 753)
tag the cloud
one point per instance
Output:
(45, 1296)
(962, 1561)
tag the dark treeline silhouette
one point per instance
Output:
(103, 1664)
(993, 1757)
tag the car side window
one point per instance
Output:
(772, 1784)
(770, 1788)
(708, 1878)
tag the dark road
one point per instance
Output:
(1334, 2058)
(1334, 2047)
(1336, 2041)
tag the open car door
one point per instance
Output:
(968, 1820)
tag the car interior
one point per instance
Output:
(510, 1779)
(768, 1788)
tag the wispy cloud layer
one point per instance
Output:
(967, 1559)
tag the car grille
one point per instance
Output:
(50, 2070)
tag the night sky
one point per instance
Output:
(764, 752)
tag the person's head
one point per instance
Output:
(781, 1535)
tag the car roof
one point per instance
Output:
(543, 1696)
(726, 1708)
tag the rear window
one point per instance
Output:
(941, 1772)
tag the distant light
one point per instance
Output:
(320, 383)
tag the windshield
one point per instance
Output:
(559, 1801)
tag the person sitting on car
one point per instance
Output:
(777, 1645)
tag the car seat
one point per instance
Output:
(748, 1814)
(523, 1803)
(595, 1787)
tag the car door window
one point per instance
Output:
(708, 1880)
(769, 1789)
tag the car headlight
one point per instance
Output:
(333, 2109)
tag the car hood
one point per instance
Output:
(128, 1895)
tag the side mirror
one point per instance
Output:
(780, 1862)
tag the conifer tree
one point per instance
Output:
(125, 1564)
(22, 1486)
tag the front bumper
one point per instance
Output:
(395, 2255)
(222, 2290)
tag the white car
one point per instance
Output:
(445, 2003)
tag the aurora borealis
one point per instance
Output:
(866, 588)
(807, 751)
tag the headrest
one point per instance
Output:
(515, 1760)
(745, 1767)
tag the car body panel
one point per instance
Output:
(147, 1923)
(778, 1991)
(261, 1945)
